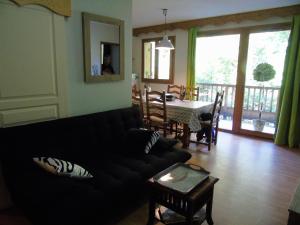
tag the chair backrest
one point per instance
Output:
(217, 107)
(175, 89)
(192, 93)
(134, 88)
(156, 105)
(137, 100)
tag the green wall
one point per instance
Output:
(84, 97)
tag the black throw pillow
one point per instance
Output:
(163, 144)
(140, 140)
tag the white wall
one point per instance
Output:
(95, 97)
(182, 46)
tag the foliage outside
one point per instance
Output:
(217, 57)
(263, 72)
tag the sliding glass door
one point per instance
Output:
(247, 64)
(216, 70)
(266, 53)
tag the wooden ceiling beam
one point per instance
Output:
(220, 20)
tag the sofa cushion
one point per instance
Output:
(143, 166)
(49, 199)
(110, 127)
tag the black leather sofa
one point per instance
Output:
(94, 141)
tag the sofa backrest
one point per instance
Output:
(72, 138)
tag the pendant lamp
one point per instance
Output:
(165, 43)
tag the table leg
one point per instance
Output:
(209, 210)
(151, 212)
(186, 136)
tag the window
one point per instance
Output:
(157, 66)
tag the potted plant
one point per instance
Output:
(263, 72)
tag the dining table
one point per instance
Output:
(187, 112)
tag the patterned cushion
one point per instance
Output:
(61, 167)
(154, 136)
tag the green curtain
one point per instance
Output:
(191, 58)
(288, 128)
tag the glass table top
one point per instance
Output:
(181, 177)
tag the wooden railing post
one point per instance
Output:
(226, 96)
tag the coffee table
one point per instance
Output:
(185, 189)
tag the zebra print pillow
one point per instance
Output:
(62, 168)
(154, 136)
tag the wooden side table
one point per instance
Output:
(187, 204)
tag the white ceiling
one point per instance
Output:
(148, 12)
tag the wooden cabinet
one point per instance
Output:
(33, 73)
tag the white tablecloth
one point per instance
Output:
(187, 112)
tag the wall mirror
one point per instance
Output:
(103, 41)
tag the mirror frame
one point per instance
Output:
(87, 18)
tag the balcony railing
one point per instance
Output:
(253, 95)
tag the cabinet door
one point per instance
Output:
(32, 65)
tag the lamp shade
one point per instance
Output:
(165, 43)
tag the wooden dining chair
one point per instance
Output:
(217, 114)
(137, 100)
(157, 111)
(211, 125)
(134, 90)
(192, 93)
(175, 90)
(189, 94)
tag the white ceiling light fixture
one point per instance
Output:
(165, 43)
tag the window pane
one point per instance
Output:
(149, 60)
(266, 51)
(164, 64)
(216, 59)
(216, 70)
(157, 64)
